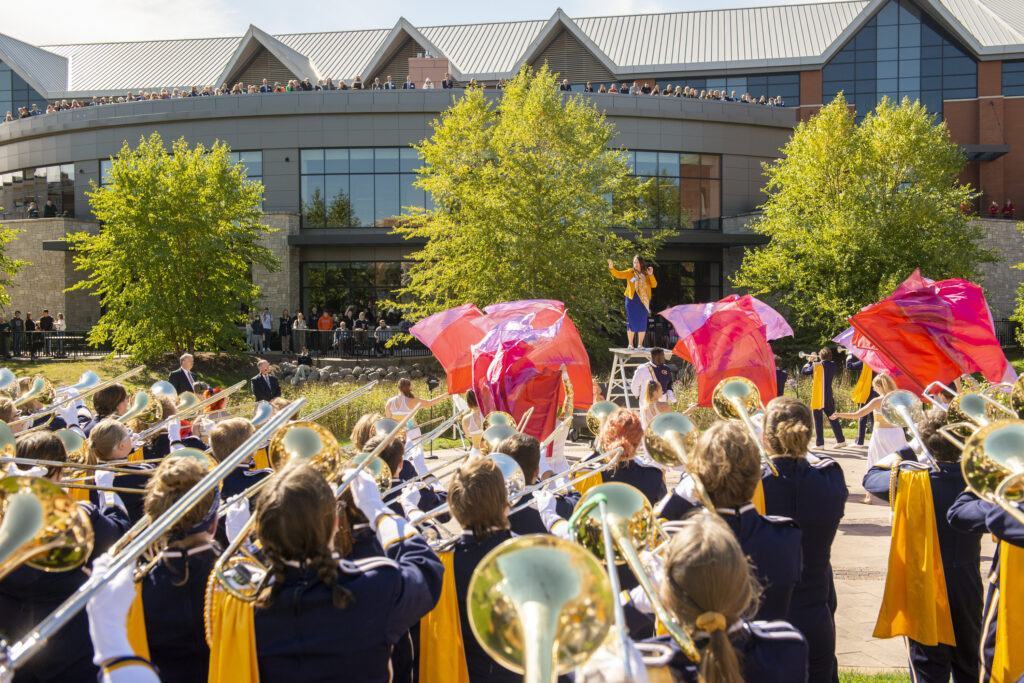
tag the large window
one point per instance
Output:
(686, 282)
(358, 187)
(1013, 78)
(686, 189)
(252, 161)
(901, 52)
(55, 184)
(15, 93)
(334, 286)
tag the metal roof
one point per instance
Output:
(762, 38)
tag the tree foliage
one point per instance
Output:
(853, 209)
(1018, 312)
(529, 199)
(9, 267)
(172, 262)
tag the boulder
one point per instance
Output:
(364, 378)
(376, 375)
(349, 377)
(391, 376)
(335, 377)
(416, 374)
(358, 370)
(403, 375)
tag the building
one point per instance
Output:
(963, 58)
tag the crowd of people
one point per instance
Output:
(1006, 212)
(342, 333)
(364, 575)
(645, 87)
(25, 336)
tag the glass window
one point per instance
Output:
(361, 160)
(335, 161)
(362, 199)
(1013, 78)
(336, 286)
(312, 161)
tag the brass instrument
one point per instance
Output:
(74, 444)
(515, 484)
(624, 513)
(597, 414)
(41, 390)
(140, 402)
(187, 406)
(993, 465)
(1016, 392)
(7, 378)
(498, 417)
(585, 466)
(736, 398)
(541, 606)
(41, 526)
(22, 650)
(902, 407)
(88, 384)
(669, 439)
(493, 436)
(524, 420)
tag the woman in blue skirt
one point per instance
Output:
(639, 283)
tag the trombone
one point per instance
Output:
(515, 484)
(993, 467)
(563, 483)
(433, 434)
(545, 604)
(670, 438)
(88, 384)
(735, 398)
(183, 410)
(902, 407)
(620, 511)
(597, 414)
(30, 644)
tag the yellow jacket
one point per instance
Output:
(637, 283)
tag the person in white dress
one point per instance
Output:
(473, 424)
(886, 437)
(398, 407)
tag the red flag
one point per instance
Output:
(450, 336)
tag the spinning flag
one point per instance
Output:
(930, 331)
(511, 355)
(728, 338)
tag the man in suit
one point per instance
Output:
(408, 85)
(388, 84)
(264, 385)
(182, 378)
(266, 87)
(447, 83)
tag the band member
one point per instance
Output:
(823, 372)
(423, 496)
(639, 283)
(110, 442)
(780, 377)
(811, 490)
(29, 595)
(863, 392)
(1001, 628)
(710, 590)
(525, 450)
(473, 424)
(623, 429)
(173, 592)
(363, 430)
(886, 438)
(182, 379)
(225, 438)
(960, 551)
(54, 421)
(727, 462)
(479, 502)
(111, 401)
(318, 616)
(161, 444)
(655, 371)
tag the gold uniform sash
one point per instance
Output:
(442, 653)
(818, 387)
(137, 455)
(260, 460)
(915, 603)
(862, 389)
(1008, 659)
(231, 635)
(136, 624)
(758, 499)
(587, 483)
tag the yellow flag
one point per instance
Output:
(818, 387)
(442, 654)
(231, 635)
(1008, 660)
(915, 603)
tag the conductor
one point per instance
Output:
(264, 385)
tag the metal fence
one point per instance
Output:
(1006, 332)
(49, 344)
(349, 344)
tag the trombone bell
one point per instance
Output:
(993, 464)
(669, 438)
(309, 443)
(597, 414)
(64, 538)
(493, 436)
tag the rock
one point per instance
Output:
(358, 370)
(313, 376)
(403, 375)
(349, 377)
(416, 374)
(391, 376)
(394, 368)
(364, 378)
(376, 375)
(328, 369)
(335, 376)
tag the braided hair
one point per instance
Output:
(295, 517)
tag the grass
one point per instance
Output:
(889, 677)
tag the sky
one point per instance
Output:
(92, 21)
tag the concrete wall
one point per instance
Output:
(1001, 279)
(280, 289)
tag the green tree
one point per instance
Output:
(9, 267)
(853, 209)
(172, 263)
(1018, 313)
(522, 207)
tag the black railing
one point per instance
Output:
(50, 344)
(1006, 332)
(351, 344)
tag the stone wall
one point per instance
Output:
(279, 290)
(1001, 279)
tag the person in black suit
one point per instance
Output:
(388, 84)
(409, 84)
(182, 379)
(447, 83)
(264, 385)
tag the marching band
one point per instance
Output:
(210, 546)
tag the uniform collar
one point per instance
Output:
(736, 511)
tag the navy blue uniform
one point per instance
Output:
(813, 494)
(528, 521)
(769, 652)
(51, 425)
(868, 421)
(771, 543)
(303, 637)
(240, 479)
(160, 446)
(649, 480)
(828, 376)
(780, 382)
(961, 554)
(467, 554)
(968, 513)
(173, 600)
(27, 596)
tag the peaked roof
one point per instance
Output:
(784, 37)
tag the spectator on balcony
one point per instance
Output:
(267, 321)
(343, 339)
(357, 83)
(447, 83)
(635, 88)
(342, 85)
(284, 331)
(325, 324)
(1008, 210)
(17, 331)
(588, 87)
(645, 89)
(49, 210)
(33, 212)
(501, 84)
(993, 209)
(278, 87)
(602, 89)
(306, 86)
(266, 87)
(655, 90)
(329, 85)
(667, 91)
(678, 91)
(257, 333)
(35, 110)
(408, 85)
(319, 85)
(361, 322)
(376, 84)
(8, 117)
(381, 334)
(299, 330)
(388, 84)
(565, 87)
(428, 84)
(613, 89)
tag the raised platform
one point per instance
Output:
(618, 380)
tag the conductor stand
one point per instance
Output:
(624, 364)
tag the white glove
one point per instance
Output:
(235, 519)
(553, 522)
(654, 565)
(174, 430)
(66, 393)
(108, 612)
(104, 478)
(419, 460)
(410, 500)
(606, 664)
(686, 490)
(34, 471)
(545, 502)
(69, 413)
(366, 496)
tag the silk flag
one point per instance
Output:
(450, 336)
(932, 331)
(728, 338)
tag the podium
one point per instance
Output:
(624, 364)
